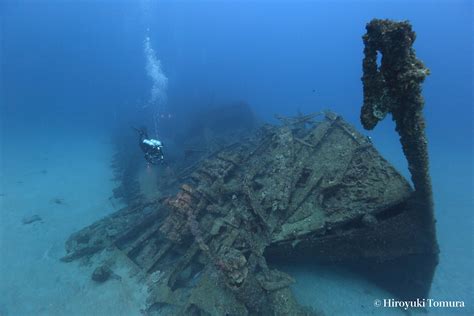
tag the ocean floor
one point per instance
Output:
(67, 183)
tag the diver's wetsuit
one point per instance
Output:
(152, 148)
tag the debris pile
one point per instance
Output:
(306, 187)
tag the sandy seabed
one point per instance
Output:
(68, 184)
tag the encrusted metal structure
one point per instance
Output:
(304, 188)
(394, 88)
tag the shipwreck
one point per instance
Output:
(309, 188)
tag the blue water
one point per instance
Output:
(74, 71)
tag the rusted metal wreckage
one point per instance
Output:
(309, 188)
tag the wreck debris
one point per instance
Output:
(306, 187)
(101, 274)
(186, 209)
(395, 87)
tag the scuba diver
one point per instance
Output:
(152, 148)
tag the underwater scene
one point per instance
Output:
(236, 157)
